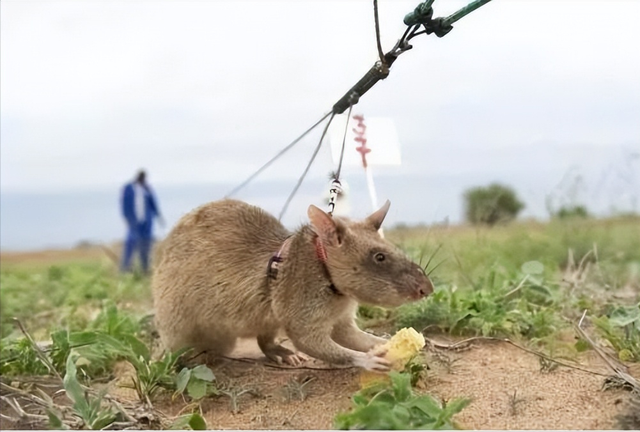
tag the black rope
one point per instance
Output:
(422, 16)
(306, 170)
(375, 17)
(344, 140)
(280, 153)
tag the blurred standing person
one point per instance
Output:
(139, 208)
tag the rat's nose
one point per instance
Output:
(426, 288)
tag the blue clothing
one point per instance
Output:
(140, 226)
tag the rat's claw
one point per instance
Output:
(372, 362)
(295, 359)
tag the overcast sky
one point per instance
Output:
(207, 91)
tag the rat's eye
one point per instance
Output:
(379, 257)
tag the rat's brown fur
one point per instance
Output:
(211, 285)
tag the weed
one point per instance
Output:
(546, 365)
(193, 421)
(18, 357)
(66, 295)
(153, 375)
(514, 402)
(372, 314)
(197, 382)
(622, 329)
(495, 308)
(416, 369)
(296, 388)
(234, 394)
(90, 409)
(395, 406)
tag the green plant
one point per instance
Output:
(622, 329)
(197, 382)
(193, 421)
(153, 375)
(416, 369)
(90, 409)
(491, 204)
(18, 357)
(499, 305)
(234, 393)
(296, 388)
(396, 407)
(572, 211)
(114, 322)
(514, 402)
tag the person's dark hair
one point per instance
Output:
(141, 177)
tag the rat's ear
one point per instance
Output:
(324, 225)
(378, 216)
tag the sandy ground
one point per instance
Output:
(506, 385)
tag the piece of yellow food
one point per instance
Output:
(401, 348)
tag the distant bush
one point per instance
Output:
(574, 211)
(491, 204)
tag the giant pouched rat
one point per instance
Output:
(229, 269)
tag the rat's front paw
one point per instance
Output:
(295, 359)
(372, 361)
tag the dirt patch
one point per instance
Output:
(510, 391)
(506, 385)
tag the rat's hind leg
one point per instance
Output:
(278, 353)
(214, 344)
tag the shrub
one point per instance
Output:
(491, 204)
(574, 211)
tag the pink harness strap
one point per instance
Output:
(275, 260)
(278, 257)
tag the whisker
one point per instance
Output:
(421, 256)
(432, 255)
(435, 267)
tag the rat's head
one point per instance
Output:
(365, 266)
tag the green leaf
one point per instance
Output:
(455, 406)
(139, 348)
(77, 339)
(196, 422)
(427, 405)
(104, 419)
(192, 421)
(72, 386)
(183, 379)
(54, 420)
(181, 422)
(197, 389)
(532, 268)
(202, 372)
(401, 385)
(623, 316)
